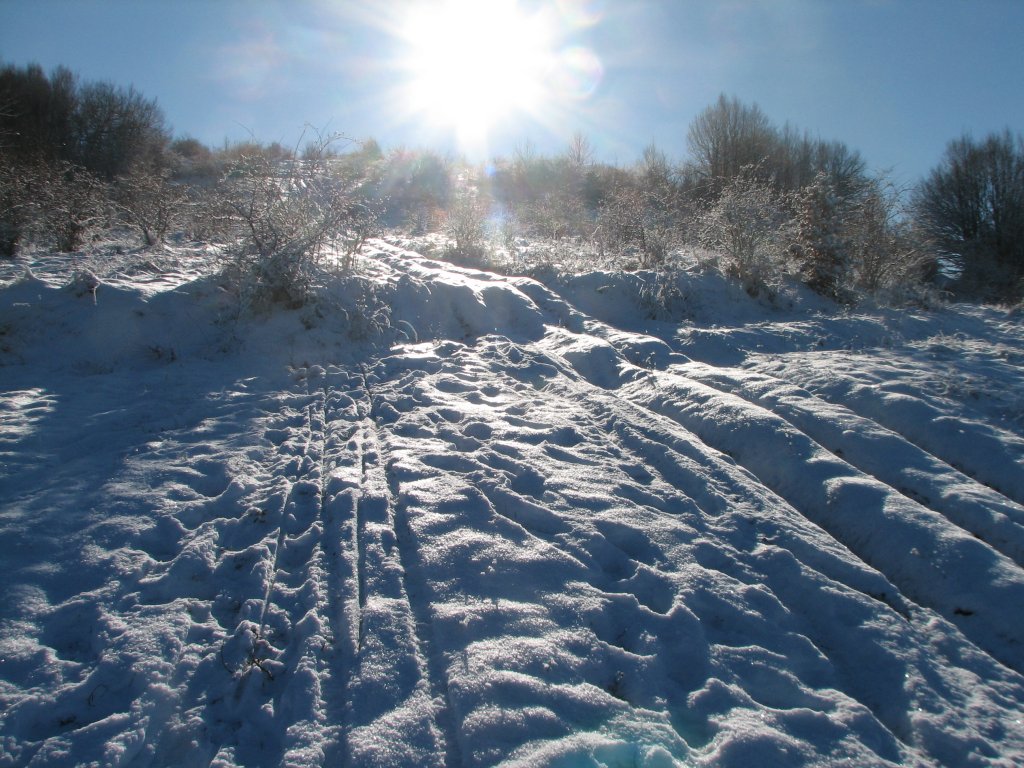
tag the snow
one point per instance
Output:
(442, 517)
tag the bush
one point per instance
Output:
(53, 202)
(750, 227)
(466, 227)
(289, 213)
(72, 204)
(889, 254)
(415, 187)
(821, 246)
(857, 242)
(206, 215)
(630, 225)
(149, 201)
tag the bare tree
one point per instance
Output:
(98, 126)
(116, 129)
(726, 138)
(17, 205)
(581, 152)
(798, 159)
(972, 204)
(36, 119)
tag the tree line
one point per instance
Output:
(769, 201)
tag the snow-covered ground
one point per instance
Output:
(448, 518)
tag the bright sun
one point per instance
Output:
(473, 63)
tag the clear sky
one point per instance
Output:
(894, 79)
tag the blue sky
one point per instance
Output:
(894, 79)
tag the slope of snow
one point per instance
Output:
(519, 523)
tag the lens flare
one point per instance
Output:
(578, 74)
(581, 13)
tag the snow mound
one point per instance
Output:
(442, 301)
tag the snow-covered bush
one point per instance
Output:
(368, 310)
(661, 296)
(750, 227)
(890, 255)
(148, 200)
(859, 242)
(628, 227)
(415, 187)
(289, 213)
(57, 203)
(72, 203)
(466, 227)
(205, 214)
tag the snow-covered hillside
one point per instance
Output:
(515, 522)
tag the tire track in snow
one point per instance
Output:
(880, 453)
(673, 461)
(364, 436)
(883, 527)
(342, 473)
(528, 464)
(418, 593)
(705, 484)
(980, 451)
(714, 486)
(299, 591)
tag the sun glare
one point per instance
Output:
(473, 63)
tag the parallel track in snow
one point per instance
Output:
(529, 537)
(920, 551)
(887, 456)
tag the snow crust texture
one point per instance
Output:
(531, 526)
